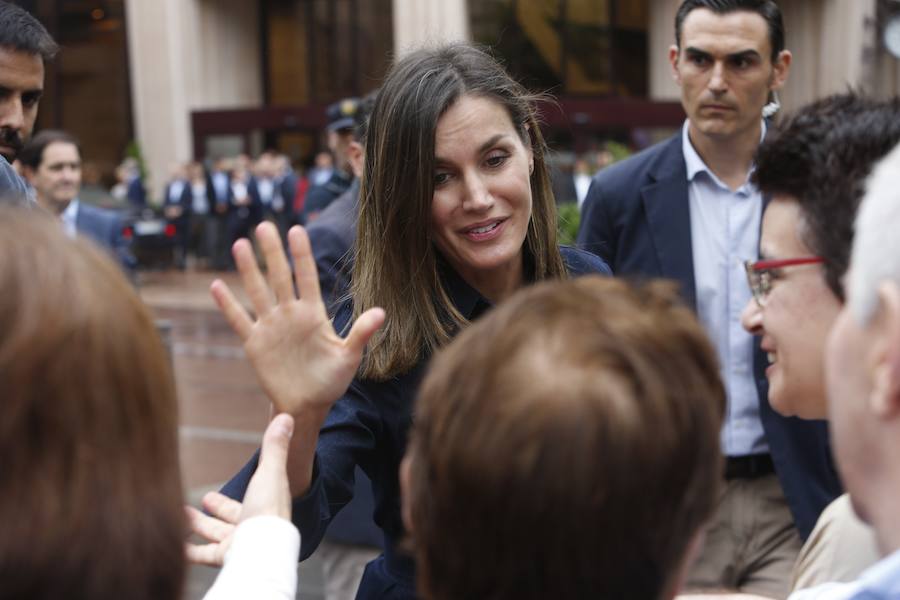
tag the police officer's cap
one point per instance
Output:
(341, 114)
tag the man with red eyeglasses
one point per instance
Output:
(813, 169)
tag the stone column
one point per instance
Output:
(661, 35)
(417, 22)
(188, 55)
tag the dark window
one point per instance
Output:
(86, 88)
(323, 50)
(570, 47)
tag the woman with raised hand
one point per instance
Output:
(455, 215)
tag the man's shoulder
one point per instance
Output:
(13, 189)
(95, 212)
(102, 221)
(581, 262)
(336, 223)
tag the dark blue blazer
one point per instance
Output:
(186, 201)
(332, 236)
(637, 218)
(105, 228)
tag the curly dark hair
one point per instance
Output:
(821, 156)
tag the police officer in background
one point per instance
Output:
(340, 136)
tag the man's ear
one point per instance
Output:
(782, 69)
(673, 61)
(885, 353)
(356, 154)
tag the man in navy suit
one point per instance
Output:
(52, 164)
(686, 210)
(176, 202)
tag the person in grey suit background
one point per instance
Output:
(686, 210)
(52, 164)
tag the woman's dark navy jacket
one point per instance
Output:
(368, 427)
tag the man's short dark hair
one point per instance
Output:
(20, 31)
(821, 156)
(767, 9)
(32, 153)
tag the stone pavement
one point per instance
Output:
(223, 411)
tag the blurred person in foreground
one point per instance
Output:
(572, 390)
(687, 210)
(814, 169)
(51, 162)
(25, 46)
(90, 489)
(439, 243)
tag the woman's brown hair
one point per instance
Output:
(90, 491)
(566, 446)
(396, 264)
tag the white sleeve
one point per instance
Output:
(261, 563)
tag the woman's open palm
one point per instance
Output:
(300, 361)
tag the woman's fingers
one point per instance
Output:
(363, 329)
(209, 528)
(277, 269)
(254, 282)
(222, 507)
(305, 271)
(211, 555)
(234, 311)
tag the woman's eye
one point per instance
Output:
(441, 178)
(495, 160)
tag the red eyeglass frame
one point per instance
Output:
(777, 263)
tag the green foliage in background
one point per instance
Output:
(569, 218)
(618, 151)
(133, 150)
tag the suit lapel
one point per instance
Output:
(667, 207)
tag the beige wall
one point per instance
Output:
(417, 23)
(188, 55)
(829, 40)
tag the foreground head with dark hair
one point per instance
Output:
(24, 47)
(566, 446)
(767, 9)
(90, 493)
(814, 168)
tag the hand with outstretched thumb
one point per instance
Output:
(268, 492)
